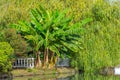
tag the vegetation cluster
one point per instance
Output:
(87, 32)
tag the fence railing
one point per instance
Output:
(23, 63)
(63, 62)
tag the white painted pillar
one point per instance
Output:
(27, 62)
(32, 62)
(21, 62)
(18, 62)
(24, 62)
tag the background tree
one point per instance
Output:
(17, 42)
(101, 39)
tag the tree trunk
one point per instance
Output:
(38, 61)
(53, 60)
(46, 58)
(56, 59)
(52, 64)
(45, 63)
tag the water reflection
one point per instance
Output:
(46, 77)
(77, 76)
(87, 76)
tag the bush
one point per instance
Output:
(6, 53)
(17, 42)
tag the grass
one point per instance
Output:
(34, 72)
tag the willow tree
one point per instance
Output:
(50, 32)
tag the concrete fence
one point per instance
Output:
(23, 63)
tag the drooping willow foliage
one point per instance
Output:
(99, 44)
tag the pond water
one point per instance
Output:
(76, 76)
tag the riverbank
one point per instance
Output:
(34, 72)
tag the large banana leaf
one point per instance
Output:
(76, 28)
(70, 46)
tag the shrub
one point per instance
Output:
(6, 53)
(16, 41)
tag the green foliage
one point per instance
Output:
(101, 38)
(89, 76)
(51, 30)
(1, 36)
(15, 8)
(6, 53)
(16, 41)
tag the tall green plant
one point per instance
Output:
(50, 32)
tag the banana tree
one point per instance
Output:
(50, 31)
(34, 39)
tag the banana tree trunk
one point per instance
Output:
(45, 63)
(46, 58)
(56, 59)
(38, 61)
(51, 64)
(53, 60)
